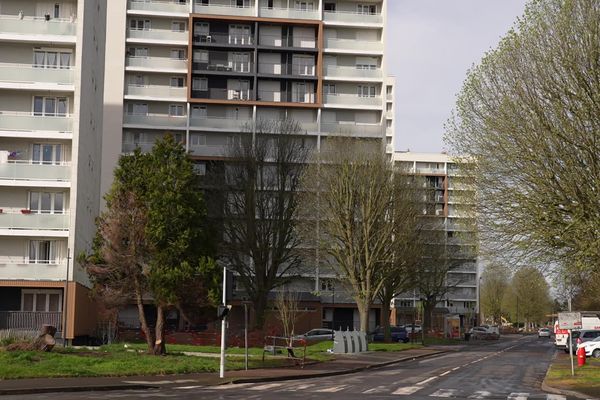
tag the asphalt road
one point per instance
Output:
(508, 369)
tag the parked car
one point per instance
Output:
(479, 332)
(413, 328)
(544, 332)
(581, 336)
(592, 347)
(316, 335)
(399, 334)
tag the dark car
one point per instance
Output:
(399, 334)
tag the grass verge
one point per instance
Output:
(586, 379)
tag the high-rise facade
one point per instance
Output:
(51, 101)
(448, 211)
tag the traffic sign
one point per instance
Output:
(569, 320)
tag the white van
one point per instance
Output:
(590, 320)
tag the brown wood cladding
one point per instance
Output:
(319, 41)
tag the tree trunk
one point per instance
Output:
(385, 318)
(142, 317)
(427, 316)
(363, 312)
(159, 344)
(260, 307)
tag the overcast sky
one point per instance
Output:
(430, 46)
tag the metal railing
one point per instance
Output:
(223, 39)
(223, 94)
(27, 25)
(31, 73)
(222, 9)
(168, 6)
(30, 320)
(26, 121)
(226, 66)
(286, 69)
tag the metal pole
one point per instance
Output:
(223, 327)
(65, 301)
(571, 352)
(246, 334)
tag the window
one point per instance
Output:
(201, 28)
(56, 10)
(137, 80)
(200, 84)
(405, 303)
(46, 203)
(242, 3)
(240, 62)
(42, 252)
(238, 90)
(197, 140)
(178, 26)
(139, 24)
(239, 34)
(176, 110)
(199, 112)
(200, 169)
(270, 4)
(329, 7)
(200, 56)
(305, 5)
(51, 58)
(366, 9)
(178, 54)
(366, 91)
(177, 81)
(39, 300)
(329, 89)
(137, 52)
(48, 154)
(327, 285)
(137, 108)
(50, 106)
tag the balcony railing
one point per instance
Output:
(352, 99)
(145, 147)
(28, 171)
(209, 151)
(354, 129)
(162, 120)
(223, 39)
(304, 42)
(157, 34)
(354, 44)
(290, 13)
(223, 94)
(352, 17)
(29, 73)
(167, 6)
(175, 93)
(30, 320)
(26, 25)
(157, 63)
(227, 66)
(218, 9)
(23, 268)
(352, 72)
(15, 121)
(34, 221)
(284, 96)
(286, 69)
(219, 123)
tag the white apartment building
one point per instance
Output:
(448, 209)
(51, 91)
(204, 70)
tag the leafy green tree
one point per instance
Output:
(528, 298)
(494, 287)
(151, 239)
(528, 122)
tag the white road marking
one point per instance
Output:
(445, 373)
(556, 397)
(444, 393)
(303, 386)
(332, 389)
(427, 380)
(518, 396)
(480, 394)
(407, 390)
(187, 387)
(455, 368)
(266, 387)
(378, 389)
(230, 386)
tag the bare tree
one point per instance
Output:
(287, 303)
(260, 181)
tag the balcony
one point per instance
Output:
(352, 100)
(25, 172)
(224, 67)
(354, 46)
(166, 93)
(158, 7)
(352, 18)
(352, 129)
(37, 29)
(224, 94)
(223, 39)
(389, 97)
(226, 124)
(296, 70)
(301, 43)
(209, 151)
(156, 64)
(285, 97)
(289, 13)
(33, 126)
(155, 120)
(16, 221)
(218, 9)
(145, 147)
(157, 36)
(21, 268)
(30, 320)
(333, 71)
(20, 75)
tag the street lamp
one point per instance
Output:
(479, 302)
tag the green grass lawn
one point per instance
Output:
(586, 379)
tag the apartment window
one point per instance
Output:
(178, 26)
(137, 108)
(240, 62)
(50, 106)
(388, 89)
(200, 84)
(197, 140)
(366, 9)
(199, 112)
(200, 169)
(202, 28)
(239, 34)
(327, 285)
(51, 59)
(176, 110)
(329, 7)
(242, 3)
(270, 4)
(238, 90)
(177, 81)
(366, 66)
(137, 52)
(177, 54)
(202, 2)
(38, 300)
(329, 89)
(46, 203)
(56, 10)
(48, 154)
(42, 252)
(405, 303)
(139, 24)
(137, 80)
(388, 107)
(305, 5)
(200, 56)
(388, 123)
(366, 91)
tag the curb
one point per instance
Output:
(564, 392)
(330, 373)
(72, 389)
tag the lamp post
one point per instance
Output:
(479, 319)
(223, 326)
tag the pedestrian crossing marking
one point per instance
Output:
(444, 393)
(480, 394)
(407, 390)
(303, 386)
(266, 387)
(556, 397)
(518, 396)
(332, 389)
(378, 389)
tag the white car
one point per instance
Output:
(592, 347)
(543, 332)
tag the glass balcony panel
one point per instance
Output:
(19, 221)
(220, 123)
(351, 99)
(12, 121)
(354, 129)
(29, 73)
(218, 9)
(13, 24)
(291, 13)
(178, 93)
(223, 94)
(351, 17)
(20, 268)
(145, 147)
(25, 171)
(286, 69)
(156, 63)
(353, 44)
(352, 72)
(218, 38)
(168, 6)
(162, 120)
(209, 150)
(157, 34)
(226, 66)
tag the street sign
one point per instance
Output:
(569, 320)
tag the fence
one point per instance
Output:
(29, 320)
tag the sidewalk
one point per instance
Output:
(343, 364)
